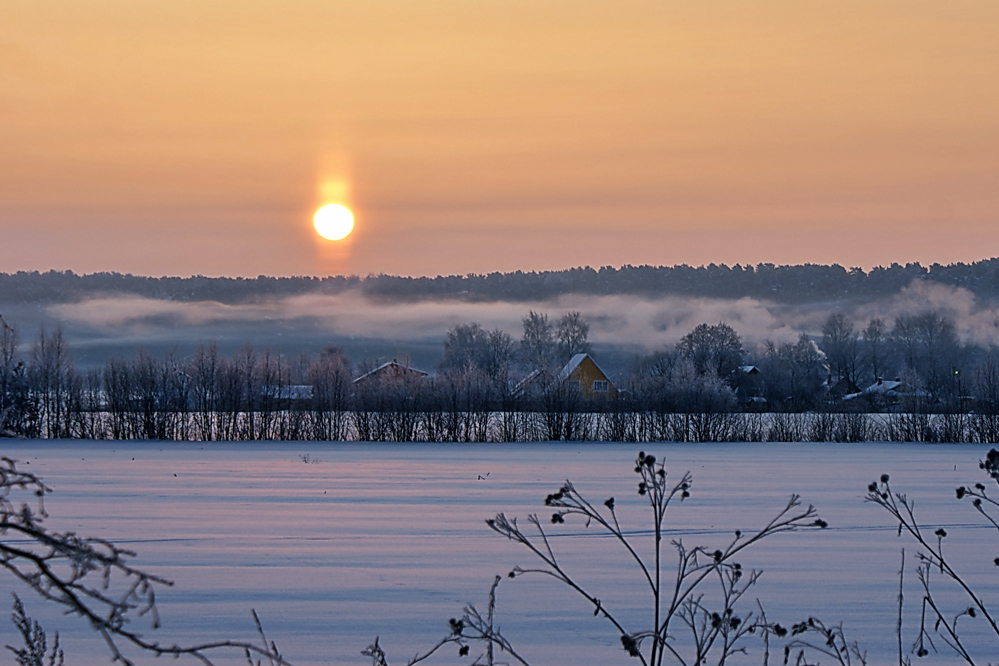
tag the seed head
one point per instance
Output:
(884, 478)
(631, 645)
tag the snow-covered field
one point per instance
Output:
(389, 540)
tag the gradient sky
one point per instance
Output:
(185, 137)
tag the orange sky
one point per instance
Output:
(198, 136)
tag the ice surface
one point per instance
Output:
(389, 540)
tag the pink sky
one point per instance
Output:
(194, 137)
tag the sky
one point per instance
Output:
(190, 137)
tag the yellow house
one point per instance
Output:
(583, 372)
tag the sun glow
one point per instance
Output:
(334, 222)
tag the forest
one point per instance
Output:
(779, 283)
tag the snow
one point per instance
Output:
(388, 539)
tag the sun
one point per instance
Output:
(334, 222)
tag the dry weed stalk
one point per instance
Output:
(935, 620)
(681, 603)
(92, 577)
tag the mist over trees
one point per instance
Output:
(783, 284)
(909, 379)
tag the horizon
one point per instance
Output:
(566, 269)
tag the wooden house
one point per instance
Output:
(583, 372)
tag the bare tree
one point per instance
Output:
(330, 400)
(18, 408)
(538, 345)
(876, 351)
(841, 345)
(205, 369)
(572, 336)
(717, 347)
(929, 345)
(795, 372)
(470, 345)
(49, 372)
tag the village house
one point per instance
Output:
(391, 371)
(581, 372)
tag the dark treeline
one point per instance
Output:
(788, 284)
(908, 380)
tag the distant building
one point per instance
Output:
(888, 390)
(843, 388)
(391, 371)
(582, 371)
(748, 384)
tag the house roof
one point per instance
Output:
(883, 386)
(574, 363)
(393, 364)
(522, 385)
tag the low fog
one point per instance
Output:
(622, 327)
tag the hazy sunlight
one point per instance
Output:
(334, 222)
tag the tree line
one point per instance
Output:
(779, 283)
(492, 387)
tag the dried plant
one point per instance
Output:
(35, 651)
(471, 628)
(935, 620)
(92, 578)
(831, 642)
(680, 602)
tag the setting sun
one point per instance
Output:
(334, 222)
